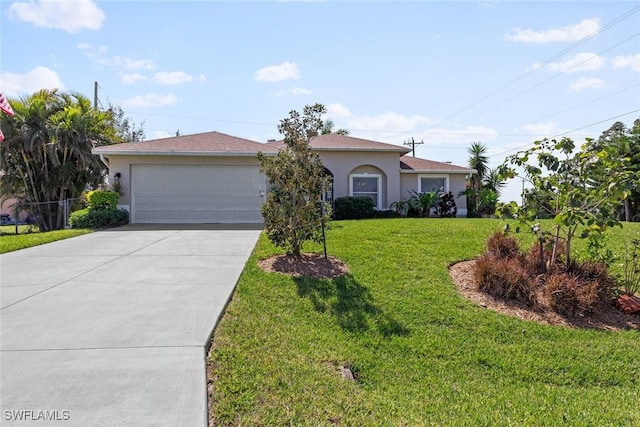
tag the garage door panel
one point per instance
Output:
(196, 194)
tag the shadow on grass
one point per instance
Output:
(351, 304)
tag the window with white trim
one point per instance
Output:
(437, 183)
(366, 185)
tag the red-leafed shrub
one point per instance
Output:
(567, 293)
(504, 278)
(503, 246)
(504, 271)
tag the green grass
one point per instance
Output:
(422, 354)
(14, 242)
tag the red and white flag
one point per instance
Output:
(4, 105)
(1, 136)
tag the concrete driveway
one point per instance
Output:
(111, 328)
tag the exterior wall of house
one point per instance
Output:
(123, 165)
(457, 183)
(343, 163)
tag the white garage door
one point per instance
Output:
(196, 194)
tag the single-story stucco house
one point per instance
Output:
(215, 178)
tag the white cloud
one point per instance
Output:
(159, 134)
(172, 77)
(278, 73)
(99, 55)
(150, 100)
(580, 62)
(132, 78)
(92, 51)
(71, 16)
(128, 63)
(338, 111)
(569, 33)
(296, 91)
(14, 84)
(586, 83)
(440, 136)
(631, 61)
(388, 121)
(539, 130)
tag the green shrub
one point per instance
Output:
(102, 199)
(353, 208)
(98, 218)
(386, 214)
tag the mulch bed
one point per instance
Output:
(315, 266)
(604, 318)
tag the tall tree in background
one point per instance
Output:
(125, 128)
(46, 156)
(327, 127)
(478, 160)
(625, 144)
(293, 210)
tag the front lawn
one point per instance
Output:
(421, 354)
(13, 242)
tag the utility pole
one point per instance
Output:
(95, 95)
(412, 142)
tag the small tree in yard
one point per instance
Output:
(580, 191)
(294, 211)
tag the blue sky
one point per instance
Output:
(445, 73)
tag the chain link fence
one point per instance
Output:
(32, 217)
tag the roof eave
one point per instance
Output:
(466, 171)
(184, 153)
(371, 150)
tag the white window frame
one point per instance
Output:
(446, 181)
(367, 175)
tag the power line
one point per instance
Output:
(587, 103)
(546, 62)
(549, 79)
(569, 132)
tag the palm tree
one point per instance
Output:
(47, 157)
(493, 181)
(478, 161)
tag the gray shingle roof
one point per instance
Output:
(208, 143)
(416, 164)
(335, 142)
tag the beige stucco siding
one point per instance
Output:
(343, 163)
(457, 183)
(123, 165)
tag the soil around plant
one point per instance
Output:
(314, 266)
(604, 318)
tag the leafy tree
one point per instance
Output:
(327, 127)
(294, 211)
(563, 188)
(46, 156)
(625, 143)
(127, 131)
